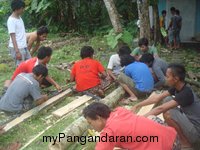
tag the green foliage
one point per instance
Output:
(126, 36)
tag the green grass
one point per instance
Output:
(67, 53)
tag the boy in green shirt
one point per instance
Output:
(144, 48)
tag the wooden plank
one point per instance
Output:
(145, 109)
(35, 110)
(71, 106)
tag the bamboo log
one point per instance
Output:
(78, 127)
(192, 76)
(192, 82)
(35, 110)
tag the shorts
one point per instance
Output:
(129, 82)
(24, 52)
(185, 124)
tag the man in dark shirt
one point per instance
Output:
(181, 109)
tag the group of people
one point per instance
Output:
(172, 37)
(139, 72)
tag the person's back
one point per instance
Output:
(86, 72)
(141, 75)
(159, 67)
(23, 87)
(25, 67)
(122, 122)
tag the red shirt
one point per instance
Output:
(123, 122)
(26, 67)
(86, 73)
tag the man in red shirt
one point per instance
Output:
(122, 128)
(87, 73)
(43, 57)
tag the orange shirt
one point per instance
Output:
(86, 73)
(26, 67)
(123, 123)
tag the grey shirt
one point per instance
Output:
(159, 67)
(24, 88)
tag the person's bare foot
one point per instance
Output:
(133, 99)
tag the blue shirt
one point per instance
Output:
(141, 76)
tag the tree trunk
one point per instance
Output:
(113, 14)
(157, 33)
(78, 127)
(143, 12)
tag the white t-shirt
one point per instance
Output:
(17, 26)
(114, 64)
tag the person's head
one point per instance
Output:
(42, 33)
(44, 54)
(143, 44)
(18, 6)
(87, 51)
(177, 12)
(172, 9)
(96, 114)
(147, 59)
(40, 72)
(164, 12)
(175, 74)
(124, 50)
(125, 60)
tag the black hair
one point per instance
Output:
(172, 9)
(124, 50)
(164, 12)
(147, 59)
(40, 70)
(86, 51)
(44, 52)
(177, 12)
(41, 30)
(96, 109)
(17, 4)
(126, 60)
(143, 41)
(178, 70)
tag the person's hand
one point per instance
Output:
(18, 55)
(58, 87)
(134, 109)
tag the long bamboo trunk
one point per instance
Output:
(78, 127)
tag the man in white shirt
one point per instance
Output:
(17, 44)
(114, 66)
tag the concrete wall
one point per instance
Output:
(188, 12)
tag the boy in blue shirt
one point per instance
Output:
(136, 80)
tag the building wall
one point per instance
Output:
(188, 12)
(197, 29)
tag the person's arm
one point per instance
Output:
(111, 74)
(54, 83)
(18, 54)
(135, 54)
(155, 52)
(35, 48)
(103, 75)
(160, 76)
(152, 99)
(41, 100)
(162, 108)
(72, 78)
